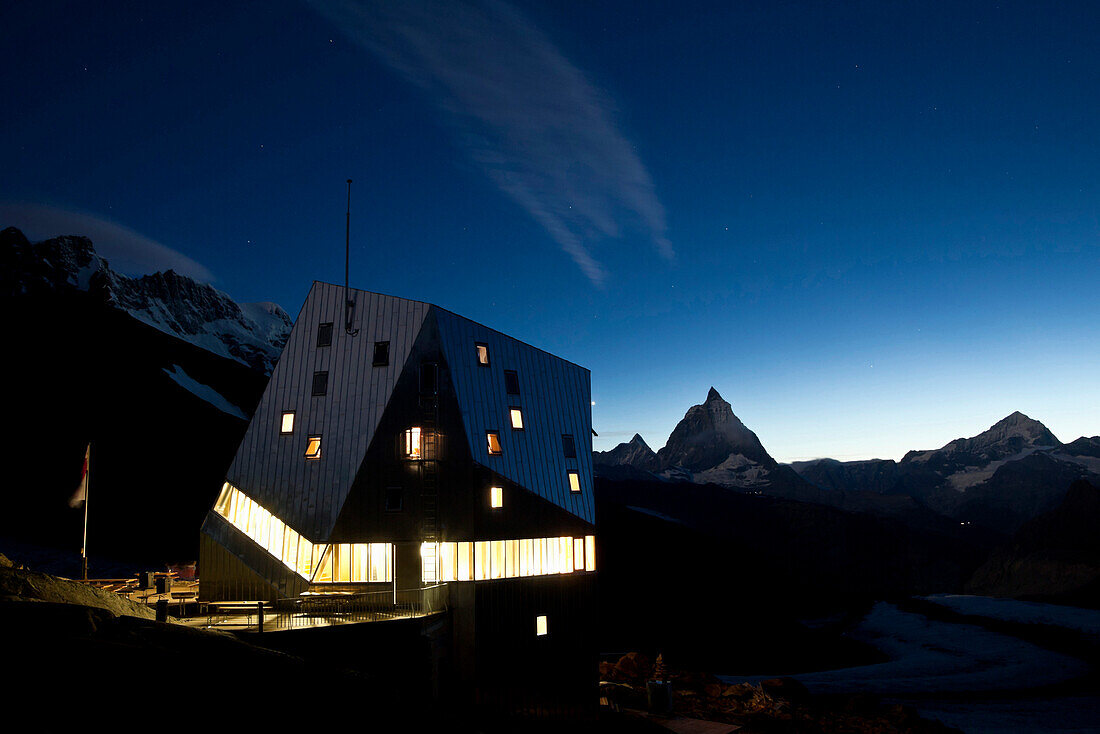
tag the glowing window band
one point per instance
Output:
(323, 563)
(317, 562)
(506, 559)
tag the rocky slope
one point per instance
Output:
(710, 435)
(635, 453)
(1055, 556)
(27, 585)
(252, 333)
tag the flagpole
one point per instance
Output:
(87, 486)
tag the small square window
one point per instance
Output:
(320, 383)
(313, 447)
(395, 499)
(574, 481)
(324, 334)
(493, 439)
(511, 382)
(287, 426)
(517, 418)
(381, 354)
(496, 497)
(568, 447)
(413, 443)
(482, 353)
(540, 625)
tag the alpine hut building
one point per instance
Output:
(410, 448)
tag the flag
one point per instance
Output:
(82, 491)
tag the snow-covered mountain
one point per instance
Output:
(709, 445)
(966, 462)
(999, 478)
(252, 333)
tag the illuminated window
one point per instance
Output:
(313, 447)
(448, 561)
(511, 382)
(511, 559)
(324, 334)
(568, 447)
(496, 497)
(574, 481)
(381, 354)
(341, 563)
(323, 575)
(395, 499)
(348, 562)
(465, 561)
(482, 353)
(412, 443)
(481, 560)
(320, 383)
(540, 625)
(429, 562)
(288, 422)
(493, 439)
(373, 562)
(222, 505)
(517, 418)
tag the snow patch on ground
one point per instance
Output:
(205, 392)
(1027, 612)
(966, 676)
(929, 656)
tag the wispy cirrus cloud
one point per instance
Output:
(128, 252)
(541, 131)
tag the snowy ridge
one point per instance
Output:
(205, 392)
(253, 334)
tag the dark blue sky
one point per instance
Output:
(872, 227)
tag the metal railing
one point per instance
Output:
(324, 610)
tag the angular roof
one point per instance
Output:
(555, 396)
(308, 495)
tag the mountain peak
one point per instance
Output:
(708, 434)
(1019, 426)
(635, 453)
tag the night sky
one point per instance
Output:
(873, 227)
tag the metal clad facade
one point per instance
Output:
(555, 397)
(271, 467)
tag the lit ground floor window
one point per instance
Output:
(323, 563)
(317, 562)
(506, 559)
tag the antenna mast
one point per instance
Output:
(349, 305)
